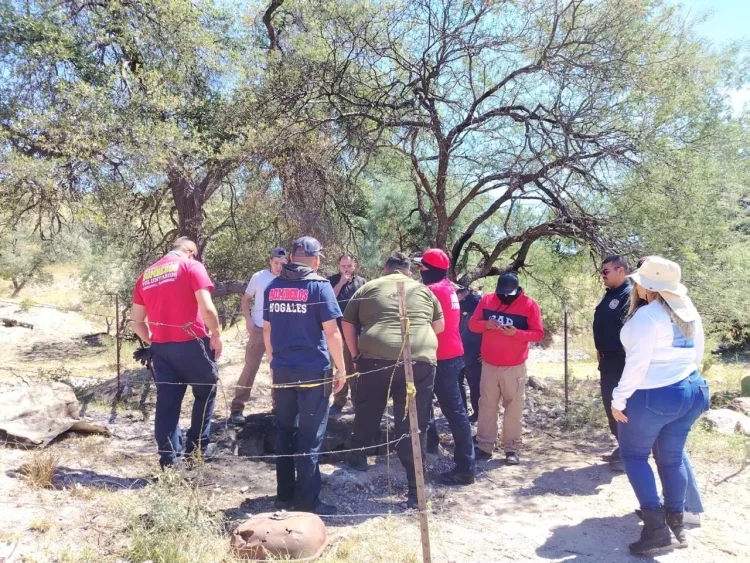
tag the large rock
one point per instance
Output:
(728, 421)
(741, 404)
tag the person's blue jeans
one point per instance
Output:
(177, 365)
(693, 501)
(661, 419)
(473, 373)
(449, 399)
(301, 420)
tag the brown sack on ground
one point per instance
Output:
(37, 414)
(296, 536)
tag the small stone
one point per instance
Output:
(244, 489)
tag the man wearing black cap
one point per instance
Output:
(434, 265)
(299, 328)
(254, 323)
(508, 321)
(609, 317)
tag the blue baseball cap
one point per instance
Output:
(307, 246)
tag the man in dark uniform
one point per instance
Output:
(609, 317)
(345, 284)
(300, 325)
(472, 372)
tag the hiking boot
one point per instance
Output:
(655, 534)
(511, 458)
(675, 523)
(357, 460)
(411, 497)
(455, 477)
(323, 509)
(280, 504)
(481, 455)
(237, 418)
(335, 410)
(615, 462)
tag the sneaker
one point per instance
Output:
(455, 477)
(481, 455)
(237, 418)
(323, 509)
(511, 458)
(335, 410)
(617, 465)
(279, 504)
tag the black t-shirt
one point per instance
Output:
(609, 317)
(348, 290)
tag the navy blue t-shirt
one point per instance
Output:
(297, 310)
(609, 317)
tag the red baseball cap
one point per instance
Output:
(436, 258)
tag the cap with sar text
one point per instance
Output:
(279, 252)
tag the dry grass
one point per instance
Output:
(41, 525)
(40, 469)
(383, 540)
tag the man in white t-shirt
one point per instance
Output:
(254, 322)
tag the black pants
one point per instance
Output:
(301, 419)
(472, 372)
(177, 365)
(611, 366)
(371, 399)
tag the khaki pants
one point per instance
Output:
(253, 356)
(351, 383)
(509, 385)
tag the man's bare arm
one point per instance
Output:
(138, 324)
(336, 349)
(350, 337)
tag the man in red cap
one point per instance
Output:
(434, 265)
(508, 321)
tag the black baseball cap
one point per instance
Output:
(507, 284)
(307, 246)
(279, 252)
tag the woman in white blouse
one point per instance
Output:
(660, 396)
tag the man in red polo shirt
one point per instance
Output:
(172, 308)
(434, 265)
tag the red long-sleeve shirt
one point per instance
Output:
(523, 314)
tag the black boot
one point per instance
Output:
(674, 521)
(655, 534)
(357, 460)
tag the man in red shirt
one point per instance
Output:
(172, 308)
(434, 265)
(508, 321)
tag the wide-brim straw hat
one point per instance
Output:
(663, 276)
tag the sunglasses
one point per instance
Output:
(606, 271)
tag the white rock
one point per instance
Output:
(727, 421)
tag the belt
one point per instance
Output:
(611, 353)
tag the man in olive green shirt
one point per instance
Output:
(377, 354)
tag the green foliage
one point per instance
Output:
(25, 257)
(690, 204)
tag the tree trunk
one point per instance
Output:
(189, 205)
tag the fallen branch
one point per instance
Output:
(14, 322)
